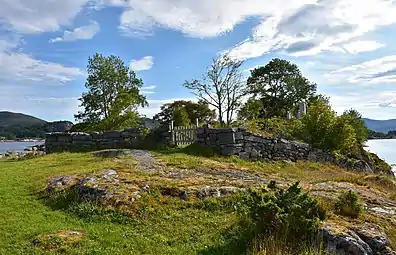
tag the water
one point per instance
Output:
(385, 149)
(16, 146)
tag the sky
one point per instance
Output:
(347, 47)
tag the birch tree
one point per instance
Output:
(222, 87)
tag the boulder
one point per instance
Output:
(343, 243)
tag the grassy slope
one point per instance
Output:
(168, 228)
(23, 216)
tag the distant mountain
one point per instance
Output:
(383, 126)
(8, 119)
(18, 125)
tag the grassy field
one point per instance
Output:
(30, 225)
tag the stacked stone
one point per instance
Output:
(236, 141)
(77, 141)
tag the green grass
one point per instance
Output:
(23, 217)
(30, 224)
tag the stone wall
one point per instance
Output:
(239, 142)
(58, 142)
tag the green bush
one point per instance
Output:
(289, 213)
(349, 205)
(322, 128)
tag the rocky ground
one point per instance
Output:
(342, 236)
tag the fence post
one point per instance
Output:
(196, 122)
(172, 133)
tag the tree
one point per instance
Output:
(317, 125)
(180, 117)
(250, 110)
(221, 87)
(279, 86)
(354, 118)
(200, 111)
(113, 95)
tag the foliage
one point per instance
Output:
(348, 204)
(379, 165)
(113, 94)
(289, 213)
(194, 111)
(354, 118)
(222, 87)
(180, 117)
(322, 128)
(251, 110)
(279, 86)
(272, 127)
(371, 134)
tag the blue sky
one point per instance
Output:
(345, 46)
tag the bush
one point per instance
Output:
(322, 128)
(349, 205)
(289, 213)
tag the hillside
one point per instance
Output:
(383, 126)
(8, 119)
(18, 125)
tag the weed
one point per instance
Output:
(349, 205)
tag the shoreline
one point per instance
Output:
(23, 141)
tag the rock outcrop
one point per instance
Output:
(366, 239)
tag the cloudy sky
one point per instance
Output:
(346, 46)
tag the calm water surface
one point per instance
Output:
(16, 146)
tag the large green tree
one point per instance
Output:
(279, 86)
(113, 95)
(200, 111)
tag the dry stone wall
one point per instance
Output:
(58, 142)
(239, 142)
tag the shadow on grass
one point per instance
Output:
(236, 240)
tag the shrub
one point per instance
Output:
(289, 213)
(349, 205)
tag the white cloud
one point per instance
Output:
(300, 27)
(24, 80)
(371, 104)
(148, 90)
(362, 46)
(381, 70)
(148, 87)
(205, 18)
(37, 16)
(313, 28)
(80, 33)
(24, 68)
(143, 64)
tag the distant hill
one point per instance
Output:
(8, 119)
(383, 126)
(18, 125)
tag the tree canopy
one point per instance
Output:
(113, 95)
(200, 111)
(278, 87)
